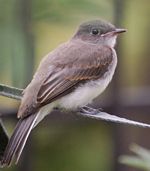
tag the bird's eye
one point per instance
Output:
(95, 32)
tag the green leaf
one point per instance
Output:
(141, 161)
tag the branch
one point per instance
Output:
(15, 93)
(10, 92)
(116, 119)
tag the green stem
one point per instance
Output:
(11, 92)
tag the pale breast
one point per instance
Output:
(84, 94)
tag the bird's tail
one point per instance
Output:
(18, 139)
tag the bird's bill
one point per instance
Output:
(119, 30)
(114, 32)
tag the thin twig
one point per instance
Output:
(116, 119)
(10, 92)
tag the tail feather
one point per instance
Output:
(22, 143)
(13, 143)
(18, 139)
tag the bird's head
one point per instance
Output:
(98, 31)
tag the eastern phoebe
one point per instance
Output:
(69, 77)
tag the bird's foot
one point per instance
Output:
(89, 110)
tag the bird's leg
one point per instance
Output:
(89, 110)
(83, 110)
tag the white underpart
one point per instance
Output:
(89, 91)
(110, 41)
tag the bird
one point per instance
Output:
(69, 77)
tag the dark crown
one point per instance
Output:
(101, 25)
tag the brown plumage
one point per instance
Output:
(50, 88)
(61, 72)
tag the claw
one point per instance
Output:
(89, 110)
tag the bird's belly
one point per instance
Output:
(84, 94)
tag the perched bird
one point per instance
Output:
(69, 77)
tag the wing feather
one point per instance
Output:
(62, 70)
(66, 79)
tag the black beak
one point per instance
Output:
(119, 30)
(114, 32)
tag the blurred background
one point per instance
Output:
(29, 29)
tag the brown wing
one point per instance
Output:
(91, 65)
(61, 71)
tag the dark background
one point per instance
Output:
(29, 29)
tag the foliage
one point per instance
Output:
(141, 161)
